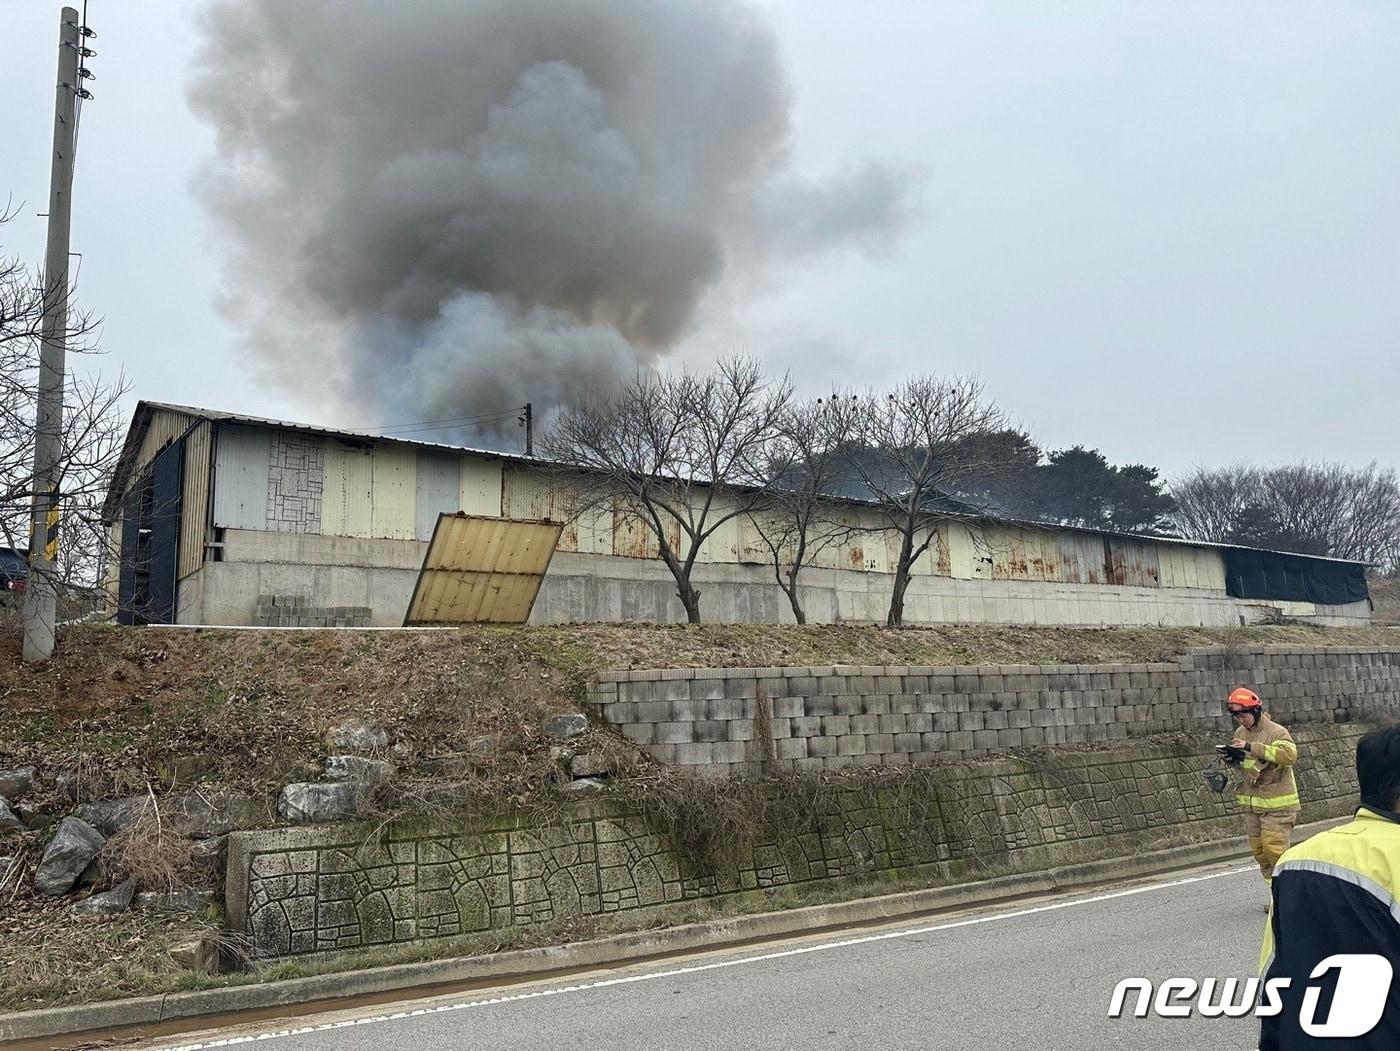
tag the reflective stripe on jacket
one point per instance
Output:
(1266, 781)
(1335, 893)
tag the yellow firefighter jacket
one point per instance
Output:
(1266, 775)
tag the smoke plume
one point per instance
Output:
(450, 207)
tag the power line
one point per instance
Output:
(443, 424)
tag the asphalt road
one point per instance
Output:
(1037, 976)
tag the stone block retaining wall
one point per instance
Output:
(315, 889)
(713, 720)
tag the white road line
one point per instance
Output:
(674, 972)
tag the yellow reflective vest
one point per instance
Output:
(1266, 781)
(1335, 899)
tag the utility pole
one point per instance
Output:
(529, 421)
(40, 596)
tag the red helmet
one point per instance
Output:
(1244, 699)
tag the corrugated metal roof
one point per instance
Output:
(141, 416)
(482, 570)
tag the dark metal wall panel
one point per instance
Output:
(131, 574)
(167, 473)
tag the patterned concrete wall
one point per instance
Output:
(712, 720)
(303, 890)
(295, 479)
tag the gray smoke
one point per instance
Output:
(448, 207)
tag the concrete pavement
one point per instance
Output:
(1038, 976)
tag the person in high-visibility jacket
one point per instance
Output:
(1267, 792)
(1335, 924)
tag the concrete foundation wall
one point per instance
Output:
(380, 574)
(305, 890)
(724, 721)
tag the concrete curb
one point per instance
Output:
(615, 949)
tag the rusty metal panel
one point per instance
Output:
(438, 479)
(479, 569)
(1071, 565)
(347, 498)
(633, 538)
(194, 501)
(241, 462)
(481, 483)
(1132, 563)
(1043, 547)
(393, 503)
(532, 495)
(1006, 546)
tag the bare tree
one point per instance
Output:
(1211, 501)
(806, 468)
(684, 454)
(916, 456)
(92, 428)
(1311, 508)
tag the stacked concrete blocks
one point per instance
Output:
(838, 716)
(293, 611)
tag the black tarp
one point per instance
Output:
(1293, 578)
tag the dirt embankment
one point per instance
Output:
(173, 714)
(124, 709)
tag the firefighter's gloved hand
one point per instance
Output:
(1232, 754)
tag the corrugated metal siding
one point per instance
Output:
(531, 496)
(194, 502)
(723, 544)
(394, 492)
(594, 530)
(480, 569)
(241, 459)
(346, 499)
(1190, 567)
(164, 428)
(481, 486)
(753, 549)
(1133, 563)
(439, 481)
(633, 538)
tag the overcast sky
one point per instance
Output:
(1168, 231)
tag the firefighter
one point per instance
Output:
(1267, 793)
(1334, 902)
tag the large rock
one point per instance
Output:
(200, 955)
(310, 803)
(108, 903)
(590, 765)
(216, 813)
(358, 737)
(358, 768)
(16, 782)
(72, 848)
(209, 851)
(567, 726)
(6, 863)
(35, 818)
(8, 821)
(110, 816)
(200, 814)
